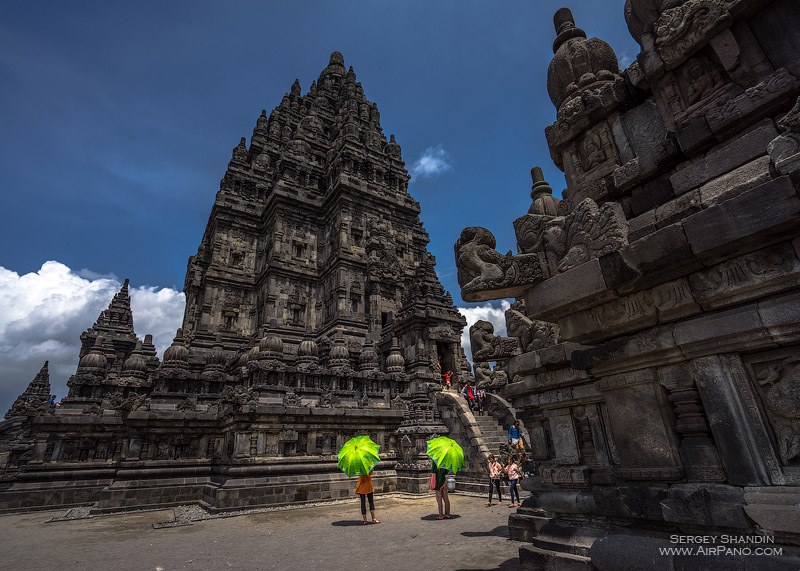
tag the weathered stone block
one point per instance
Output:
(650, 195)
(658, 257)
(642, 225)
(781, 49)
(735, 182)
(678, 208)
(695, 136)
(735, 329)
(573, 290)
(781, 317)
(745, 448)
(706, 504)
(565, 444)
(754, 216)
(651, 447)
(724, 158)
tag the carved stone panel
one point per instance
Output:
(682, 30)
(649, 452)
(745, 277)
(564, 242)
(591, 157)
(565, 442)
(776, 378)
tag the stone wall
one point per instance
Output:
(668, 275)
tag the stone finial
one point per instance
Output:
(395, 363)
(240, 152)
(295, 91)
(336, 59)
(542, 195)
(95, 361)
(136, 364)
(565, 28)
(177, 353)
(393, 148)
(578, 63)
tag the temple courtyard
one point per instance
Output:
(324, 537)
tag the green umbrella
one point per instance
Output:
(358, 456)
(446, 453)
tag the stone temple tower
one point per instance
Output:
(313, 232)
(313, 314)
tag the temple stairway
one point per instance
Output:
(494, 433)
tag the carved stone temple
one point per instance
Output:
(313, 314)
(654, 348)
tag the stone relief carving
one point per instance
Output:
(486, 346)
(483, 272)
(681, 30)
(784, 150)
(483, 374)
(779, 385)
(532, 334)
(564, 242)
(291, 399)
(238, 396)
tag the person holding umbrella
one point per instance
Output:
(358, 457)
(447, 456)
(441, 491)
(366, 491)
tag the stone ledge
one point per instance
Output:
(752, 217)
(573, 290)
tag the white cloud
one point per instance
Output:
(432, 162)
(494, 314)
(625, 60)
(42, 315)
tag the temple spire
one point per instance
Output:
(35, 396)
(118, 314)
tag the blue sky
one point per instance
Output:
(117, 119)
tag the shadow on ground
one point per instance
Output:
(433, 517)
(507, 565)
(347, 522)
(499, 531)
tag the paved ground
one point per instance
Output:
(313, 539)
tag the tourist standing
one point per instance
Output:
(447, 378)
(366, 492)
(442, 499)
(495, 474)
(512, 469)
(515, 437)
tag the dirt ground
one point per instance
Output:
(314, 538)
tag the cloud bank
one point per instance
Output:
(496, 315)
(432, 162)
(43, 313)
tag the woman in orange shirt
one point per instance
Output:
(366, 492)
